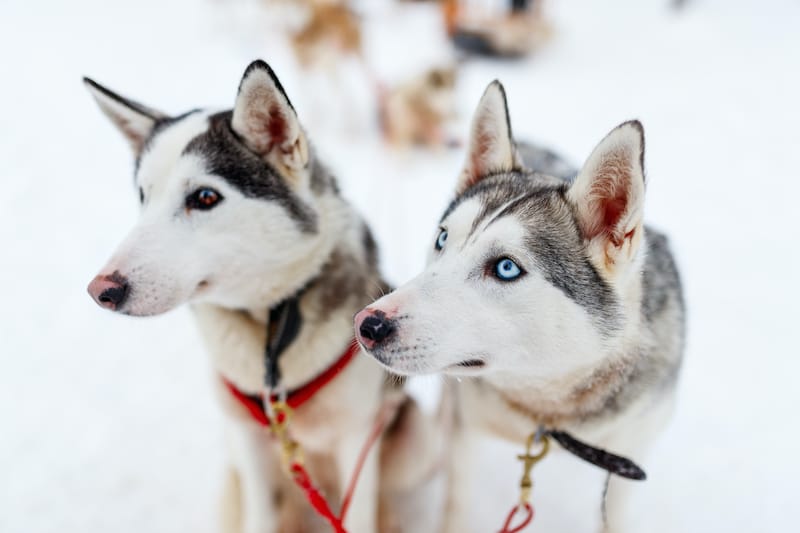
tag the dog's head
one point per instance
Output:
(225, 198)
(529, 276)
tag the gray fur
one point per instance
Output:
(657, 364)
(539, 203)
(545, 161)
(553, 236)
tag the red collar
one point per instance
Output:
(254, 403)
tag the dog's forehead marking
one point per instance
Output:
(535, 205)
(460, 219)
(164, 149)
(487, 217)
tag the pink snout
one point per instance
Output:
(109, 291)
(373, 327)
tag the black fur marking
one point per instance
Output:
(227, 157)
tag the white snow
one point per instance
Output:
(108, 422)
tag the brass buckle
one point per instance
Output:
(528, 461)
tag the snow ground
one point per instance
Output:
(107, 421)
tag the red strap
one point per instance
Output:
(527, 520)
(315, 498)
(255, 406)
(313, 494)
(255, 403)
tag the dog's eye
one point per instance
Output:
(441, 239)
(204, 199)
(507, 270)
(141, 195)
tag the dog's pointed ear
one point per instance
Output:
(491, 146)
(265, 120)
(134, 120)
(608, 195)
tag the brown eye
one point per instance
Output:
(204, 199)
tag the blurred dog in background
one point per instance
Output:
(331, 31)
(416, 112)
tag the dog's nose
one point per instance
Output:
(373, 327)
(109, 291)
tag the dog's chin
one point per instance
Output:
(145, 311)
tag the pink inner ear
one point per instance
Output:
(613, 208)
(609, 197)
(478, 156)
(268, 130)
(276, 125)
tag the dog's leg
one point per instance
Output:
(459, 482)
(634, 444)
(411, 474)
(363, 511)
(252, 457)
(231, 503)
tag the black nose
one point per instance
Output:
(115, 295)
(110, 291)
(376, 328)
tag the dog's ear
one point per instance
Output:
(133, 119)
(608, 195)
(265, 120)
(491, 146)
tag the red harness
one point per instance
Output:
(254, 403)
(255, 406)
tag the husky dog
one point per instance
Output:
(237, 215)
(332, 32)
(417, 111)
(550, 294)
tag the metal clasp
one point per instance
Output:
(281, 414)
(528, 461)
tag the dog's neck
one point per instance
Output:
(346, 279)
(578, 403)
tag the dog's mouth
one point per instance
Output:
(467, 367)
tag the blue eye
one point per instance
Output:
(507, 270)
(441, 239)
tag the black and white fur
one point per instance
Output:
(277, 226)
(586, 337)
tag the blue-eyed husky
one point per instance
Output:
(549, 296)
(239, 217)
